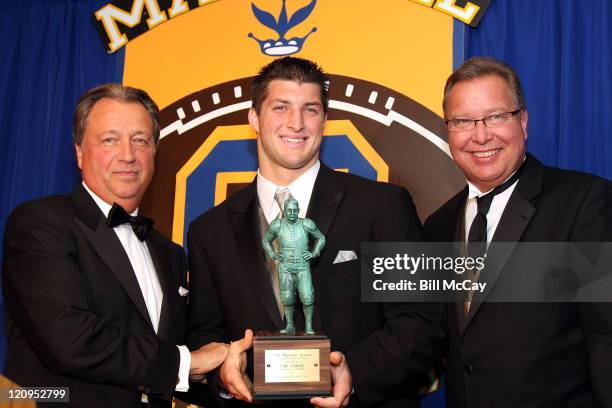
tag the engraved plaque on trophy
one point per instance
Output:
(290, 367)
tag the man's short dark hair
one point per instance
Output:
(111, 91)
(479, 67)
(295, 69)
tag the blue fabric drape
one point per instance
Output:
(51, 53)
(560, 50)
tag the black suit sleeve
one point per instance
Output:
(205, 322)
(594, 224)
(52, 304)
(205, 318)
(398, 357)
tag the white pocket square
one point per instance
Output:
(345, 256)
(183, 291)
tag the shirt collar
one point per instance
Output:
(103, 205)
(473, 191)
(300, 189)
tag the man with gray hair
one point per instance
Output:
(95, 297)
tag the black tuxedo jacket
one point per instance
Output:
(76, 314)
(389, 347)
(532, 354)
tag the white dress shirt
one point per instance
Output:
(300, 189)
(142, 264)
(495, 211)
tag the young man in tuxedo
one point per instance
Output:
(538, 354)
(96, 297)
(383, 351)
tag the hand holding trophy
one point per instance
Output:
(233, 371)
(291, 364)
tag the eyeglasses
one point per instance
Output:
(496, 119)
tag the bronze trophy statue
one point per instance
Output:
(293, 258)
(289, 365)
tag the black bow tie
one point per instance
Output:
(140, 225)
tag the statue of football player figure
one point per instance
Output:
(293, 259)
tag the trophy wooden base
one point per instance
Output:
(290, 367)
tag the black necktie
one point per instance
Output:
(140, 225)
(477, 237)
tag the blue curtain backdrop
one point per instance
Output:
(51, 54)
(561, 51)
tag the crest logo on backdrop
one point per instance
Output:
(117, 26)
(384, 120)
(282, 46)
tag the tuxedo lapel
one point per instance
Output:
(454, 217)
(457, 218)
(244, 217)
(160, 255)
(324, 204)
(325, 199)
(514, 220)
(105, 242)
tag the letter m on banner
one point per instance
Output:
(109, 18)
(110, 15)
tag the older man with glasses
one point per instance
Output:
(538, 354)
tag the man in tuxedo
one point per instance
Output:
(538, 354)
(384, 351)
(96, 299)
